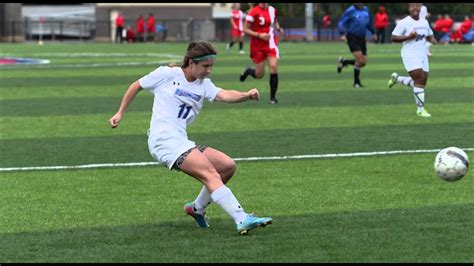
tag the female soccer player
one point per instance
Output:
(352, 27)
(414, 31)
(259, 24)
(236, 19)
(179, 93)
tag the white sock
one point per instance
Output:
(408, 81)
(419, 94)
(224, 197)
(202, 201)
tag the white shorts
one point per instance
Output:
(415, 60)
(167, 149)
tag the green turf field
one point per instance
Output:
(390, 208)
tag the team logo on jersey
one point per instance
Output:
(193, 96)
(18, 60)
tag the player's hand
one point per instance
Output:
(343, 38)
(264, 36)
(280, 30)
(115, 120)
(375, 37)
(253, 94)
(412, 35)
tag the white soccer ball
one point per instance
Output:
(451, 164)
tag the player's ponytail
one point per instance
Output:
(197, 50)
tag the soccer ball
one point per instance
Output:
(451, 164)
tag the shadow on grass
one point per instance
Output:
(429, 234)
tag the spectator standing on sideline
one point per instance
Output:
(326, 21)
(119, 23)
(140, 29)
(381, 24)
(438, 27)
(150, 27)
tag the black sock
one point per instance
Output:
(250, 71)
(348, 62)
(356, 75)
(247, 72)
(231, 44)
(241, 45)
(273, 85)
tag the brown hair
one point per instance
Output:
(198, 49)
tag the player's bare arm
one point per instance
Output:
(234, 26)
(412, 35)
(248, 31)
(431, 39)
(130, 94)
(278, 27)
(233, 96)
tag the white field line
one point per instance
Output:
(292, 157)
(172, 58)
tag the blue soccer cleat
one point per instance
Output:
(252, 222)
(199, 218)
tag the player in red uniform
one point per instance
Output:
(236, 20)
(259, 24)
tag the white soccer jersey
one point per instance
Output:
(423, 12)
(176, 104)
(406, 26)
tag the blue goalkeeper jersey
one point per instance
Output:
(356, 21)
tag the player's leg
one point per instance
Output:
(342, 62)
(241, 44)
(273, 67)
(404, 80)
(419, 79)
(258, 58)
(198, 166)
(224, 165)
(360, 62)
(231, 43)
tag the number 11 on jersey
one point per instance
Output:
(181, 110)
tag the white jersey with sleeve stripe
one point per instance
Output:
(406, 26)
(177, 102)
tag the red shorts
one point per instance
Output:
(259, 55)
(237, 33)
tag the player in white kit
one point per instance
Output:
(414, 32)
(179, 94)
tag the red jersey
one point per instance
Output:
(447, 25)
(119, 21)
(466, 26)
(150, 23)
(237, 18)
(140, 27)
(381, 20)
(261, 21)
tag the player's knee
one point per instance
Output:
(259, 74)
(273, 69)
(210, 177)
(229, 167)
